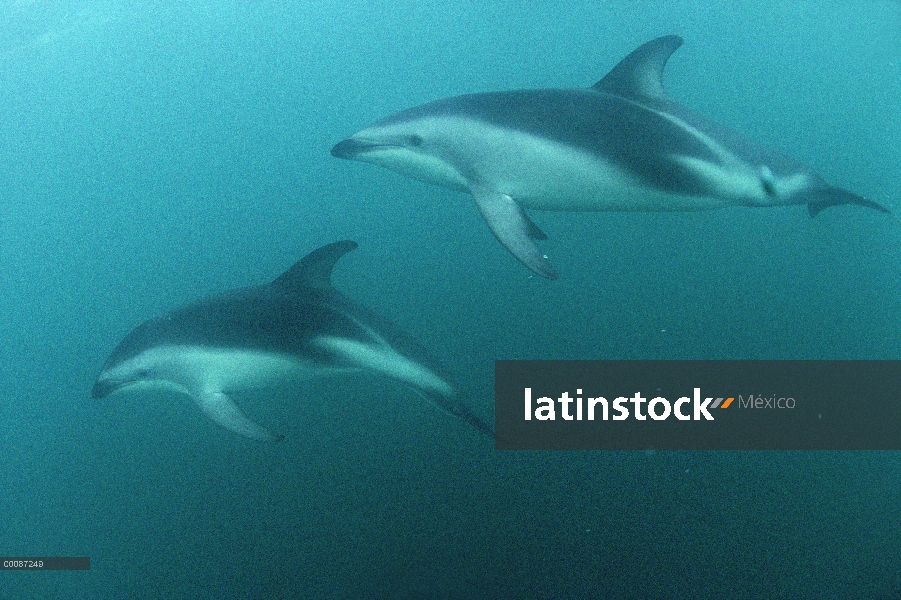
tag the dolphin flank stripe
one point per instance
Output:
(619, 145)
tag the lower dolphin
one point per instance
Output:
(293, 328)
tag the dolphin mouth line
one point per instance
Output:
(352, 147)
(103, 388)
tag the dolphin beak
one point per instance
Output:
(351, 147)
(104, 387)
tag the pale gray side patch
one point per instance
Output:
(381, 358)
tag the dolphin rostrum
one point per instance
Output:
(293, 328)
(620, 145)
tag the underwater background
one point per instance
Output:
(155, 152)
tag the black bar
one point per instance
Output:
(45, 563)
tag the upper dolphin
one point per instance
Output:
(296, 327)
(621, 144)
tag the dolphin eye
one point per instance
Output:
(143, 373)
(414, 140)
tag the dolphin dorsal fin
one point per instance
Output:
(641, 73)
(315, 269)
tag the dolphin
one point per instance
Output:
(620, 145)
(291, 329)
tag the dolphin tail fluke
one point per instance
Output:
(450, 406)
(474, 420)
(462, 412)
(514, 229)
(833, 196)
(222, 409)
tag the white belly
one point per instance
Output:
(190, 369)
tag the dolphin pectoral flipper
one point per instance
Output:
(833, 196)
(513, 228)
(223, 410)
(534, 231)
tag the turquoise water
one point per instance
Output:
(153, 152)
